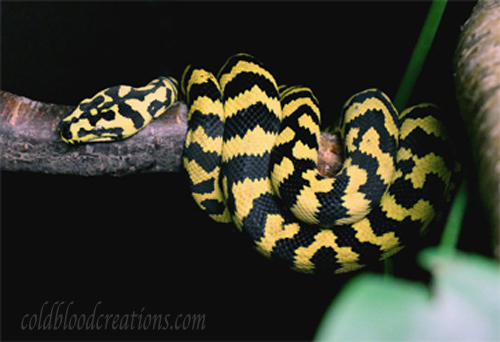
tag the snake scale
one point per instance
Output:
(251, 157)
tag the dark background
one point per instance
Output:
(139, 241)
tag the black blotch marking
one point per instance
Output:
(108, 115)
(155, 106)
(210, 122)
(247, 80)
(248, 119)
(324, 260)
(64, 129)
(126, 111)
(213, 207)
(244, 167)
(207, 160)
(205, 187)
(208, 89)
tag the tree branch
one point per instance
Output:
(477, 79)
(29, 142)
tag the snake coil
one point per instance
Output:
(251, 153)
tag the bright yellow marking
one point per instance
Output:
(326, 238)
(287, 91)
(255, 142)
(292, 106)
(307, 204)
(122, 122)
(205, 105)
(307, 122)
(208, 144)
(225, 217)
(280, 172)
(285, 136)
(200, 76)
(404, 154)
(355, 202)
(199, 198)
(422, 210)
(301, 151)
(429, 163)
(245, 66)
(430, 124)
(251, 97)
(244, 193)
(358, 109)
(225, 189)
(84, 123)
(370, 144)
(141, 106)
(364, 233)
(275, 230)
(172, 84)
(185, 83)
(124, 90)
(197, 173)
(389, 243)
(350, 137)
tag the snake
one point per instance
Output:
(251, 154)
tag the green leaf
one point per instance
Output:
(372, 307)
(463, 304)
(466, 290)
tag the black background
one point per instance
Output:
(139, 241)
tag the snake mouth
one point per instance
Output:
(100, 134)
(96, 134)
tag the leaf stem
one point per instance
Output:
(419, 54)
(451, 232)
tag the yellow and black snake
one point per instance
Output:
(251, 154)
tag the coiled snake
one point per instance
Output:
(251, 153)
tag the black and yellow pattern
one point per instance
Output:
(202, 150)
(370, 130)
(118, 112)
(251, 153)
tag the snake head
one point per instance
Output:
(94, 120)
(118, 112)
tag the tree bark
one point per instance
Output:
(29, 142)
(477, 79)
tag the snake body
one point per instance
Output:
(251, 153)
